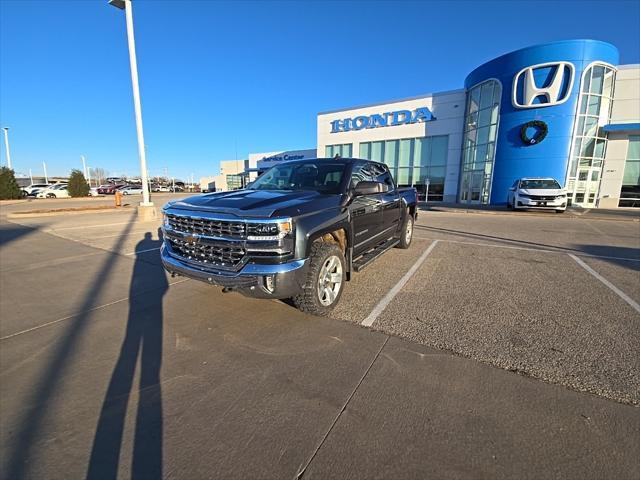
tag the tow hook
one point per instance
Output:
(228, 289)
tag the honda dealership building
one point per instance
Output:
(565, 110)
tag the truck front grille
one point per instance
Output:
(225, 256)
(204, 226)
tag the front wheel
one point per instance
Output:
(51, 195)
(324, 281)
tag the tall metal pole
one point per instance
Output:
(46, 179)
(136, 103)
(6, 145)
(30, 176)
(84, 167)
(89, 176)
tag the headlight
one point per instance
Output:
(165, 220)
(271, 231)
(564, 195)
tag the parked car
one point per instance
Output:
(93, 192)
(131, 190)
(176, 189)
(162, 188)
(539, 193)
(32, 189)
(54, 191)
(301, 230)
(109, 189)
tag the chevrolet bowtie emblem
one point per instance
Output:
(191, 238)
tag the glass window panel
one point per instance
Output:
(377, 151)
(594, 105)
(472, 120)
(631, 173)
(588, 145)
(583, 104)
(347, 150)
(439, 150)
(419, 175)
(599, 150)
(590, 126)
(483, 135)
(474, 99)
(328, 151)
(597, 79)
(484, 117)
(497, 92)
(587, 80)
(576, 146)
(417, 151)
(585, 162)
(481, 156)
(597, 162)
(493, 131)
(425, 152)
(604, 111)
(574, 166)
(486, 95)
(404, 154)
(402, 177)
(580, 128)
(494, 113)
(365, 150)
(633, 150)
(607, 88)
(436, 174)
(583, 175)
(594, 175)
(391, 153)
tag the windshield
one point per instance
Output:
(319, 176)
(545, 183)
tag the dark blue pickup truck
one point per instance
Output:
(299, 231)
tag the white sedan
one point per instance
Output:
(539, 193)
(131, 191)
(54, 191)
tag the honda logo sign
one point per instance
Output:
(543, 85)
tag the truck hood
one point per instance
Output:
(260, 203)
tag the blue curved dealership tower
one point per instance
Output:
(564, 110)
(550, 158)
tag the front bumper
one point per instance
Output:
(556, 204)
(288, 277)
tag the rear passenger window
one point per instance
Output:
(361, 172)
(381, 174)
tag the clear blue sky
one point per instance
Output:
(218, 78)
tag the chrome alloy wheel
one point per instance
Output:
(408, 231)
(329, 280)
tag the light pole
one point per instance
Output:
(46, 179)
(126, 6)
(30, 176)
(89, 176)
(6, 145)
(84, 167)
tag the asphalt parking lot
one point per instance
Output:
(497, 346)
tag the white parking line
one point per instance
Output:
(379, 308)
(533, 249)
(38, 327)
(615, 289)
(142, 251)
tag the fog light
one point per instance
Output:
(270, 283)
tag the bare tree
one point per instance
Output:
(99, 175)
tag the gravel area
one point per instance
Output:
(538, 314)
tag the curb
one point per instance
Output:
(572, 215)
(68, 212)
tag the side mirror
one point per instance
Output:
(370, 188)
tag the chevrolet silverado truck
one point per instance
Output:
(299, 231)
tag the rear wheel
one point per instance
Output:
(325, 280)
(406, 232)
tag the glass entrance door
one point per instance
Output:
(587, 185)
(472, 186)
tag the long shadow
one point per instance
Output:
(10, 232)
(45, 387)
(624, 256)
(143, 339)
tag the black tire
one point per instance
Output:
(309, 299)
(405, 236)
(560, 211)
(51, 195)
(509, 205)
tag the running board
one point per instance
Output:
(361, 262)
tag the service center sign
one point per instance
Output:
(387, 119)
